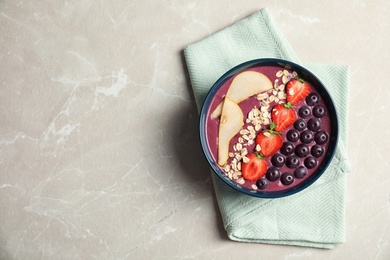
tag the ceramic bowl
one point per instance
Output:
(209, 126)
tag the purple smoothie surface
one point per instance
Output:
(212, 128)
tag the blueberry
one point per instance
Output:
(292, 135)
(278, 160)
(287, 148)
(310, 162)
(321, 137)
(317, 150)
(314, 124)
(292, 161)
(287, 178)
(273, 174)
(300, 124)
(300, 172)
(302, 150)
(307, 136)
(312, 99)
(304, 112)
(262, 183)
(319, 111)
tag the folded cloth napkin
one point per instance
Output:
(314, 217)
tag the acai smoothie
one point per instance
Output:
(283, 136)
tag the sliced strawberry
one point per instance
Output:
(255, 168)
(296, 90)
(269, 141)
(283, 116)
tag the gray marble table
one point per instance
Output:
(99, 153)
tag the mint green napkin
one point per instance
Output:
(314, 217)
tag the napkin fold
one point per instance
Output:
(314, 217)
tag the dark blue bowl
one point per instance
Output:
(306, 75)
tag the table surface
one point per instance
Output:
(99, 151)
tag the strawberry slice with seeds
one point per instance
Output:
(283, 116)
(269, 141)
(254, 168)
(296, 90)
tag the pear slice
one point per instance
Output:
(232, 119)
(245, 85)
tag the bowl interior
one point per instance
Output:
(302, 73)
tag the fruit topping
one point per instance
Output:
(319, 111)
(300, 124)
(232, 119)
(300, 172)
(302, 150)
(317, 150)
(269, 141)
(304, 112)
(292, 161)
(312, 99)
(254, 82)
(283, 116)
(310, 162)
(262, 183)
(314, 124)
(287, 148)
(255, 168)
(307, 136)
(287, 178)
(297, 89)
(273, 174)
(321, 137)
(292, 135)
(278, 160)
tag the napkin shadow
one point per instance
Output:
(184, 133)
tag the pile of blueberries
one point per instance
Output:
(297, 148)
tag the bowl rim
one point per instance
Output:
(333, 139)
